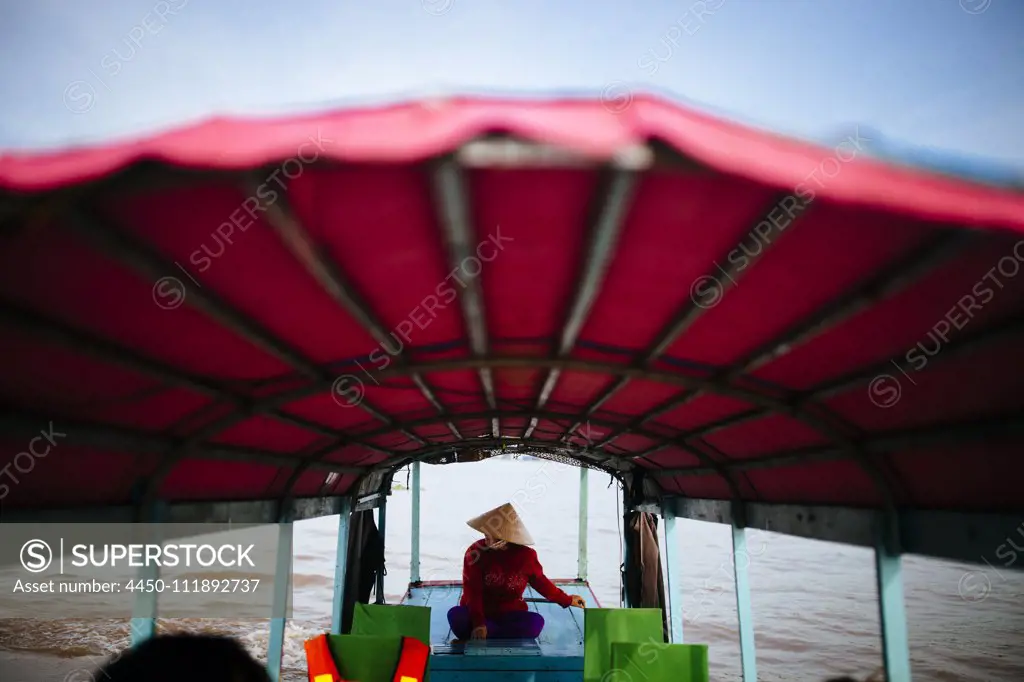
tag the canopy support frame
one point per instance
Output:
(414, 555)
(340, 564)
(673, 576)
(382, 519)
(330, 277)
(891, 606)
(684, 319)
(584, 503)
(282, 587)
(744, 609)
(144, 613)
(609, 205)
(143, 259)
(452, 207)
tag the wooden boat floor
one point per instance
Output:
(562, 636)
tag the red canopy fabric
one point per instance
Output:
(251, 309)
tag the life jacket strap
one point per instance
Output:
(411, 667)
(320, 662)
(412, 662)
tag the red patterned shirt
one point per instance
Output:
(493, 580)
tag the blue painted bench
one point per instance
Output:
(555, 656)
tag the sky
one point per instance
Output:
(945, 74)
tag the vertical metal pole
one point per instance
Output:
(893, 616)
(382, 518)
(673, 574)
(623, 592)
(340, 564)
(744, 613)
(414, 561)
(144, 611)
(282, 585)
(584, 511)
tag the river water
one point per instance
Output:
(814, 603)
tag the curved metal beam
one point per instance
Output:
(85, 342)
(524, 446)
(661, 440)
(400, 457)
(321, 268)
(128, 250)
(22, 426)
(880, 443)
(610, 204)
(453, 210)
(596, 367)
(859, 377)
(571, 365)
(565, 365)
(691, 310)
(272, 403)
(549, 415)
(892, 280)
(494, 443)
(716, 386)
(123, 247)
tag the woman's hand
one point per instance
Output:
(578, 602)
(479, 633)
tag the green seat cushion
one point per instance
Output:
(654, 662)
(366, 658)
(603, 627)
(383, 619)
(380, 619)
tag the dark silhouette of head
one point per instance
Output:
(184, 658)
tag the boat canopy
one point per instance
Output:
(290, 308)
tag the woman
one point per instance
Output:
(495, 573)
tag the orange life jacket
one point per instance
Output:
(412, 663)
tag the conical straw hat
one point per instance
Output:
(502, 523)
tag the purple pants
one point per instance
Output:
(511, 625)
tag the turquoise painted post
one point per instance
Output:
(414, 562)
(584, 511)
(340, 564)
(741, 562)
(382, 518)
(893, 616)
(282, 585)
(144, 611)
(673, 575)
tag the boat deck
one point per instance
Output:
(556, 655)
